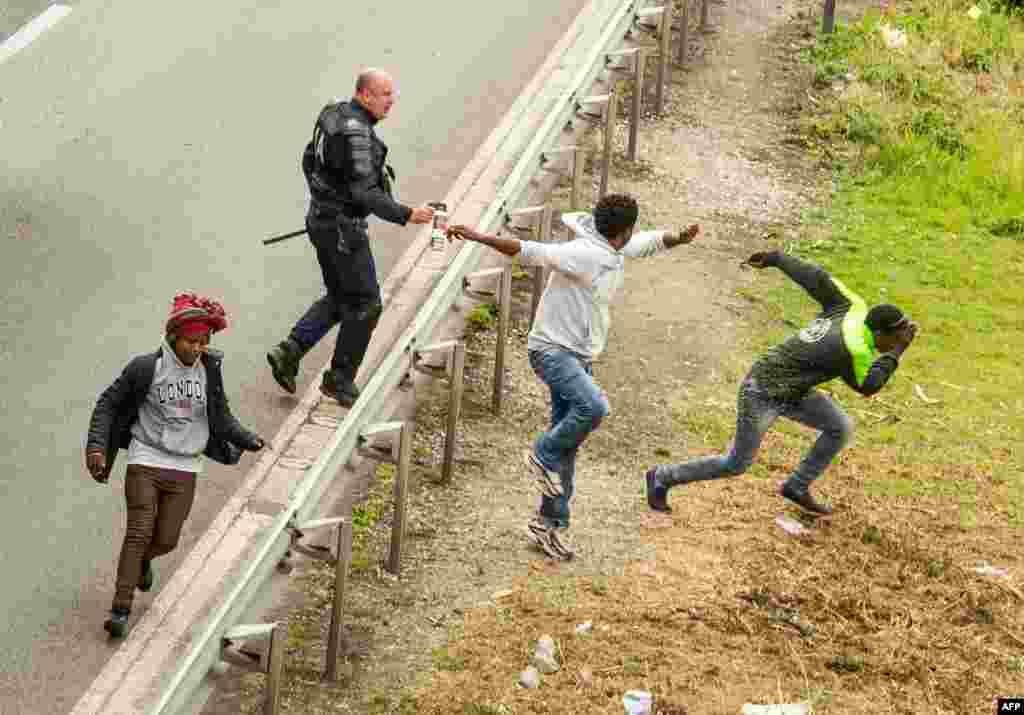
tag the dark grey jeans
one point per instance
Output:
(755, 413)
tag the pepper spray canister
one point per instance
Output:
(437, 234)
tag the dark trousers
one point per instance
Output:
(353, 294)
(159, 501)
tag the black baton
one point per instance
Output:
(283, 237)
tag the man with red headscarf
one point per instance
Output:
(168, 408)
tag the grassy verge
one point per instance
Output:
(929, 215)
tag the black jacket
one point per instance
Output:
(345, 165)
(836, 344)
(118, 408)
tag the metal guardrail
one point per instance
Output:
(205, 649)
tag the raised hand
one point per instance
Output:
(761, 259)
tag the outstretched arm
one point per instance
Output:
(508, 246)
(826, 290)
(647, 243)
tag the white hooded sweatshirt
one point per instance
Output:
(586, 273)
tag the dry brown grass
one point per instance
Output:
(876, 611)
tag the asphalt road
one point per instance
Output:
(146, 148)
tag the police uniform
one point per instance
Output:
(349, 179)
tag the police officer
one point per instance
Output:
(348, 180)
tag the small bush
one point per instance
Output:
(482, 317)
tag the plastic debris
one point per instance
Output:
(791, 527)
(986, 569)
(544, 656)
(893, 37)
(793, 709)
(530, 678)
(544, 662)
(584, 628)
(637, 702)
(585, 678)
(974, 13)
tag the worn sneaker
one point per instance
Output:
(540, 535)
(284, 364)
(804, 500)
(549, 482)
(340, 388)
(547, 538)
(656, 494)
(560, 543)
(117, 624)
(146, 580)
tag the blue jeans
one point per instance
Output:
(755, 413)
(577, 407)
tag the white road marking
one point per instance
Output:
(36, 27)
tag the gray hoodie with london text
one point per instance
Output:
(174, 416)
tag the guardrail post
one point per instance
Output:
(454, 371)
(828, 19)
(610, 117)
(504, 315)
(394, 564)
(638, 95)
(579, 161)
(454, 409)
(342, 564)
(705, 22)
(274, 667)
(540, 231)
(270, 662)
(664, 52)
(684, 34)
(539, 274)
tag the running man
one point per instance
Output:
(846, 340)
(569, 333)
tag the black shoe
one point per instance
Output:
(656, 495)
(117, 624)
(340, 388)
(146, 580)
(284, 363)
(805, 501)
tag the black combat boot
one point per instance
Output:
(117, 624)
(284, 362)
(338, 384)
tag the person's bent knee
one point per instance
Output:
(735, 466)
(595, 409)
(842, 431)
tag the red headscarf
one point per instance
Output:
(194, 315)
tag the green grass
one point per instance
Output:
(929, 215)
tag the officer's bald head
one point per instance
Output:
(372, 78)
(375, 90)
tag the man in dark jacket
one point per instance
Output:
(846, 340)
(167, 409)
(349, 179)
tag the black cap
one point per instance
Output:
(885, 318)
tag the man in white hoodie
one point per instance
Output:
(569, 333)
